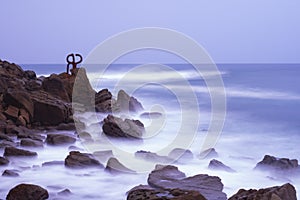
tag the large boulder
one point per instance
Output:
(103, 101)
(169, 177)
(12, 151)
(55, 86)
(284, 192)
(126, 103)
(273, 163)
(78, 160)
(3, 161)
(26, 192)
(128, 128)
(152, 157)
(146, 192)
(60, 139)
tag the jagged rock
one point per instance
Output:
(284, 192)
(169, 177)
(273, 163)
(3, 161)
(218, 165)
(55, 86)
(12, 112)
(126, 103)
(181, 154)
(145, 192)
(5, 137)
(152, 157)
(10, 173)
(12, 151)
(66, 126)
(30, 74)
(116, 127)
(208, 153)
(26, 192)
(59, 139)
(115, 167)
(75, 159)
(103, 100)
(31, 143)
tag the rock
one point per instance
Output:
(273, 163)
(126, 103)
(59, 139)
(115, 167)
(284, 192)
(10, 173)
(116, 127)
(12, 151)
(181, 154)
(151, 115)
(146, 192)
(218, 165)
(65, 192)
(32, 136)
(52, 163)
(5, 137)
(55, 86)
(12, 112)
(85, 135)
(30, 74)
(103, 101)
(20, 99)
(75, 159)
(152, 157)
(26, 192)
(3, 161)
(5, 143)
(66, 126)
(31, 143)
(208, 153)
(169, 177)
(103, 156)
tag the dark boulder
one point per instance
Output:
(5, 137)
(3, 161)
(273, 163)
(218, 165)
(169, 177)
(31, 143)
(59, 139)
(12, 151)
(103, 100)
(145, 192)
(10, 173)
(128, 128)
(284, 192)
(78, 160)
(26, 192)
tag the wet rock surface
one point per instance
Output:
(12, 151)
(284, 192)
(60, 139)
(119, 128)
(167, 177)
(3, 161)
(10, 173)
(31, 143)
(78, 160)
(26, 192)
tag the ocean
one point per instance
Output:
(262, 117)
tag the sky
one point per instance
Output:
(231, 31)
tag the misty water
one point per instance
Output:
(262, 117)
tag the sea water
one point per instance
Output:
(262, 117)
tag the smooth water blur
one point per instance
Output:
(263, 115)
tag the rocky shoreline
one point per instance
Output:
(34, 108)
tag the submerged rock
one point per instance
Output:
(128, 128)
(115, 167)
(126, 103)
(151, 115)
(3, 161)
(10, 173)
(103, 101)
(152, 157)
(75, 159)
(181, 154)
(12, 151)
(31, 143)
(26, 192)
(208, 153)
(218, 165)
(284, 192)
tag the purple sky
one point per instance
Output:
(232, 31)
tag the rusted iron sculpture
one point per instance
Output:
(73, 62)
